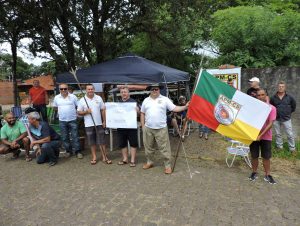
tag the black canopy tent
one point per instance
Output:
(130, 69)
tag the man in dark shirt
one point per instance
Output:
(285, 105)
(254, 86)
(45, 140)
(126, 135)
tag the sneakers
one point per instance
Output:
(201, 134)
(52, 163)
(79, 155)
(253, 176)
(269, 179)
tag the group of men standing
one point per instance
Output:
(153, 117)
(282, 106)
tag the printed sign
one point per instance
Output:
(121, 115)
(224, 75)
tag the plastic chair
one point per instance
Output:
(17, 111)
(238, 149)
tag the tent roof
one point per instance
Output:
(130, 69)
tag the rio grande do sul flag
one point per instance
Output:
(226, 110)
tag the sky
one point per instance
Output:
(23, 53)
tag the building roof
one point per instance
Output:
(46, 81)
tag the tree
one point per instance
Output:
(255, 36)
(12, 30)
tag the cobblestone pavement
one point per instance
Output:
(75, 193)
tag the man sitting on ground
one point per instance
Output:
(14, 137)
(45, 139)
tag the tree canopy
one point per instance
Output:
(256, 33)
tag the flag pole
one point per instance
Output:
(180, 139)
(73, 72)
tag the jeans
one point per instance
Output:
(42, 109)
(287, 125)
(49, 152)
(67, 128)
(203, 129)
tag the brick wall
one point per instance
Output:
(6, 93)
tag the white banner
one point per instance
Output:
(225, 74)
(121, 115)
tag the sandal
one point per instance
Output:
(93, 162)
(132, 164)
(107, 161)
(28, 159)
(122, 162)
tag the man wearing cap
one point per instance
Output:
(154, 125)
(254, 87)
(285, 105)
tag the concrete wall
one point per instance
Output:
(269, 79)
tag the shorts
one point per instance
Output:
(92, 135)
(127, 135)
(265, 149)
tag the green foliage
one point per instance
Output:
(255, 36)
(285, 153)
(24, 70)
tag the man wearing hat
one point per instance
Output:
(154, 125)
(254, 86)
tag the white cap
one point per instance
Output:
(254, 79)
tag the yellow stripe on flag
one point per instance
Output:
(239, 131)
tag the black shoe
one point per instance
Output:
(52, 163)
(270, 179)
(253, 176)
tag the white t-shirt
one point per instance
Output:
(66, 107)
(96, 104)
(155, 111)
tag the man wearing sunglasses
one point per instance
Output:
(66, 104)
(154, 125)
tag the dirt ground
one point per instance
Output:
(213, 152)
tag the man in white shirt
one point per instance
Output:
(66, 104)
(154, 125)
(92, 107)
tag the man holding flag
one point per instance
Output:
(264, 142)
(232, 113)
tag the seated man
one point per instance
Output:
(181, 117)
(14, 137)
(45, 139)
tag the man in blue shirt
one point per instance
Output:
(44, 139)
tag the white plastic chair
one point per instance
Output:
(238, 149)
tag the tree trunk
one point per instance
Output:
(13, 45)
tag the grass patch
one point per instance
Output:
(285, 153)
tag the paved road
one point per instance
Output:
(76, 193)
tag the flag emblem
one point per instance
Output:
(226, 110)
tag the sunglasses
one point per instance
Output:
(63, 88)
(155, 89)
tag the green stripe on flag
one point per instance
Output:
(210, 88)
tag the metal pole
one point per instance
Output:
(73, 72)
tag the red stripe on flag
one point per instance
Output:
(202, 111)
